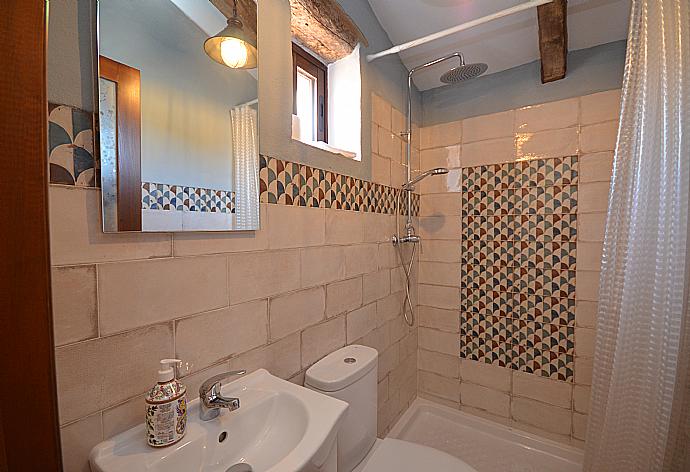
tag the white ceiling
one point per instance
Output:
(502, 44)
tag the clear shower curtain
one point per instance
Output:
(246, 158)
(639, 412)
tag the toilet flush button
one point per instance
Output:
(350, 360)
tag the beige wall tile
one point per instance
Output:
(439, 273)
(389, 145)
(398, 174)
(545, 144)
(382, 390)
(439, 400)
(77, 441)
(439, 363)
(399, 121)
(439, 297)
(599, 137)
(602, 106)
(584, 342)
(583, 370)
(322, 339)
(76, 234)
(321, 265)
(134, 294)
(477, 396)
(361, 259)
(440, 204)
(587, 285)
(543, 389)
(388, 360)
(445, 134)
(75, 315)
(589, 255)
(126, 415)
(380, 169)
(360, 322)
(495, 125)
(581, 396)
(448, 156)
(344, 227)
(281, 358)
(93, 375)
(547, 116)
(387, 255)
(376, 285)
(439, 385)
(485, 414)
(194, 244)
(561, 438)
(489, 375)
(291, 226)
(439, 318)
(439, 341)
(437, 250)
(493, 151)
(343, 296)
(378, 227)
(381, 111)
(547, 417)
(206, 339)
(295, 311)
(593, 197)
(591, 226)
(450, 182)
(579, 426)
(586, 313)
(596, 167)
(389, 308)
(440, 227)
(374, 138)
(256, 275)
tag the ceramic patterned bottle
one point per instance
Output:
(166, 407)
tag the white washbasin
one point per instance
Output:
(279, 426)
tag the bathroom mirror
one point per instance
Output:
(178, 115)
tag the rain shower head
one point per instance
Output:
(464, 72)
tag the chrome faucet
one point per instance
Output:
(211, 399)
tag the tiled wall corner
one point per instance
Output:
(584, 127)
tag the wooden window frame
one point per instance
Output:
(128, 136)
(310, 64)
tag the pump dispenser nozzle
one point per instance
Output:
(167, 370)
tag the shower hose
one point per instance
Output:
(408, 310)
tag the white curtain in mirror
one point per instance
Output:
(638, 416)
(246, 157)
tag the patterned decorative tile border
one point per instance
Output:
(70, 146)
(156, 196)
(519, 226)
(288, 183)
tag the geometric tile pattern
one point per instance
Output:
(519, 233)
(155, 196)
(289, 183)
(70, 150)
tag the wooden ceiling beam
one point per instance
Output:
(324, 28)
(553, 40)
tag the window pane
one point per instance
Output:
(306, 105)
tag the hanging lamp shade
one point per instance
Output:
(234, 46)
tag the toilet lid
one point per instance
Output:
(394, 455)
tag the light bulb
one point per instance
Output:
(234, 53)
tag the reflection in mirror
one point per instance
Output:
(178, 101)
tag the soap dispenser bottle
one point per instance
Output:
(166, 407)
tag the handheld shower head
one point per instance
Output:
(437, 171)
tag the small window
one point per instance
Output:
(310, 100)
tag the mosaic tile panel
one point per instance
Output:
(519, 226)
(155, 196)
(70, 146)
(289, 183)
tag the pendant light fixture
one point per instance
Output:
(234, 46)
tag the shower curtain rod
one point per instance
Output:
(458, 28)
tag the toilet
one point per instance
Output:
(350, 374)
